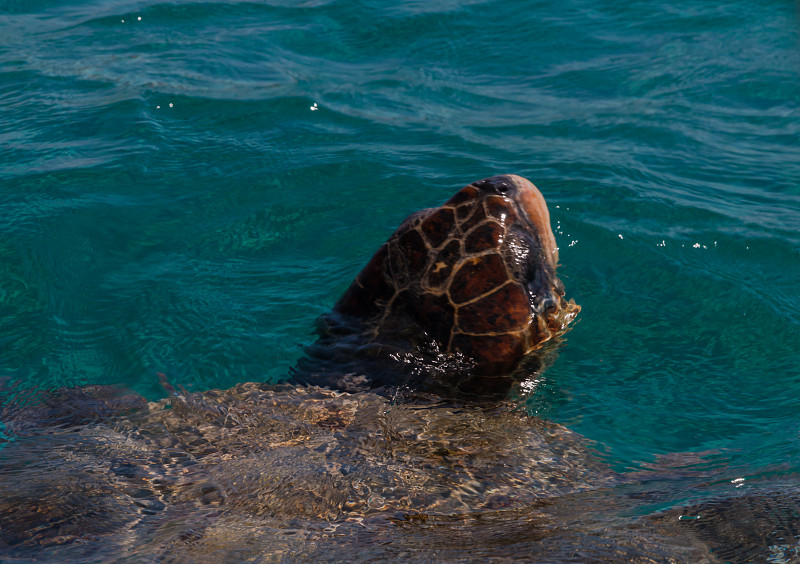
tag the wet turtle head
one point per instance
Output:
(472, 281)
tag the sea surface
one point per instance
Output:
(186, 186)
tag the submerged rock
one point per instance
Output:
(262, 473)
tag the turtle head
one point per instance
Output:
(508, 297)
(473, 280)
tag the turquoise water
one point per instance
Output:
(186, 186)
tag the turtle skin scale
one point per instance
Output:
(474, 277)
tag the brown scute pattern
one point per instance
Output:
(436, 314)
(493, 353)
(488, 235)
(438, 226)
(506, 309)
(407, 258)
(396, 266)
(458, 275)
(397, 313)
(441, 266)
(466, 193)
(475, 218)
(414, 252)
(477, 276)
(464, 211)
(498, 208)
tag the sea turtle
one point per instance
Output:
(476, 276)
(347, 460)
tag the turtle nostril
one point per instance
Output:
(497, 184)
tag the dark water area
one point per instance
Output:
(185, 187)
